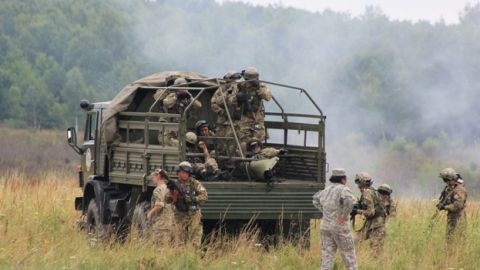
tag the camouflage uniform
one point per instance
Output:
(201, 164)
(258, 94)
(374, 228)
(334, 202)
(390, 207)
(162, 223)
(188, 221)
(172, 104)
(455, 203)
(223, 126)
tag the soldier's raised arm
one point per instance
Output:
(264, 92)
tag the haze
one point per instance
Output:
(412, 10)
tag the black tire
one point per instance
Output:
(297, 232)
(94, 224)
(139, 218)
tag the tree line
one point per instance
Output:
(372, 75)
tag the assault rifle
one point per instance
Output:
(439, 206)
(245, 100)
(354, 213)
(181, 198)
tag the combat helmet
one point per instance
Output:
(448, 174)
(250, 73)
(363, 178)
(253, 143)
(199, 125)
(385, 189)
(185, 166)
(191, 137)
(179, 81)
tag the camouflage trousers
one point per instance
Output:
(456, 227)
(189, 228)
(201, 168)
(246, 132)
(376, 237)
(333, 240)
(226, 148)
(162, 236)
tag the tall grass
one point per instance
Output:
(38, 231)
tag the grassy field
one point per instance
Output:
(38, 231)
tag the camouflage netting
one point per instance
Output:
(122, 101)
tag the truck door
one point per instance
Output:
(89, 164)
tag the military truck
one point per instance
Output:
(120, 149)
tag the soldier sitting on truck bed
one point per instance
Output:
(202, 129)
(205, 167)
(256, 150)
(175, 103)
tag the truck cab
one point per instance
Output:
(121, 148)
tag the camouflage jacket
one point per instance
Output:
(217, 102)
(164, 218)
(372, 209)
(267, 152)
(193, 188)
(390, 207)
(334, 202)
(456, 200)
(172, 104)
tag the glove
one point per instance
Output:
(441, 206)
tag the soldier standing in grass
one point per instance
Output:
(454, 200)
(388, 204)
(371, 208)
(335, 203)
(187, 195)
(161, 213)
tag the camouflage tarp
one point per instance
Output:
(122, 101)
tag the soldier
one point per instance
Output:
(202, 129)
(188, 194)
(206, 167)
(454, 202)
(175, 103)
(386, 199)
(335, 203)
(161, 213)
(224, 127)
(249, 99)
(255, 150)
(371, 208)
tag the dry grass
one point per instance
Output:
(38, 231)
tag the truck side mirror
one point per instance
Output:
(72, 140)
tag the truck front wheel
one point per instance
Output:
(95, 226)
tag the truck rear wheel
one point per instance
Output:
(297, 232)
(95, 226)
(139, 218)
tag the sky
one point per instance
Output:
(412, 10)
